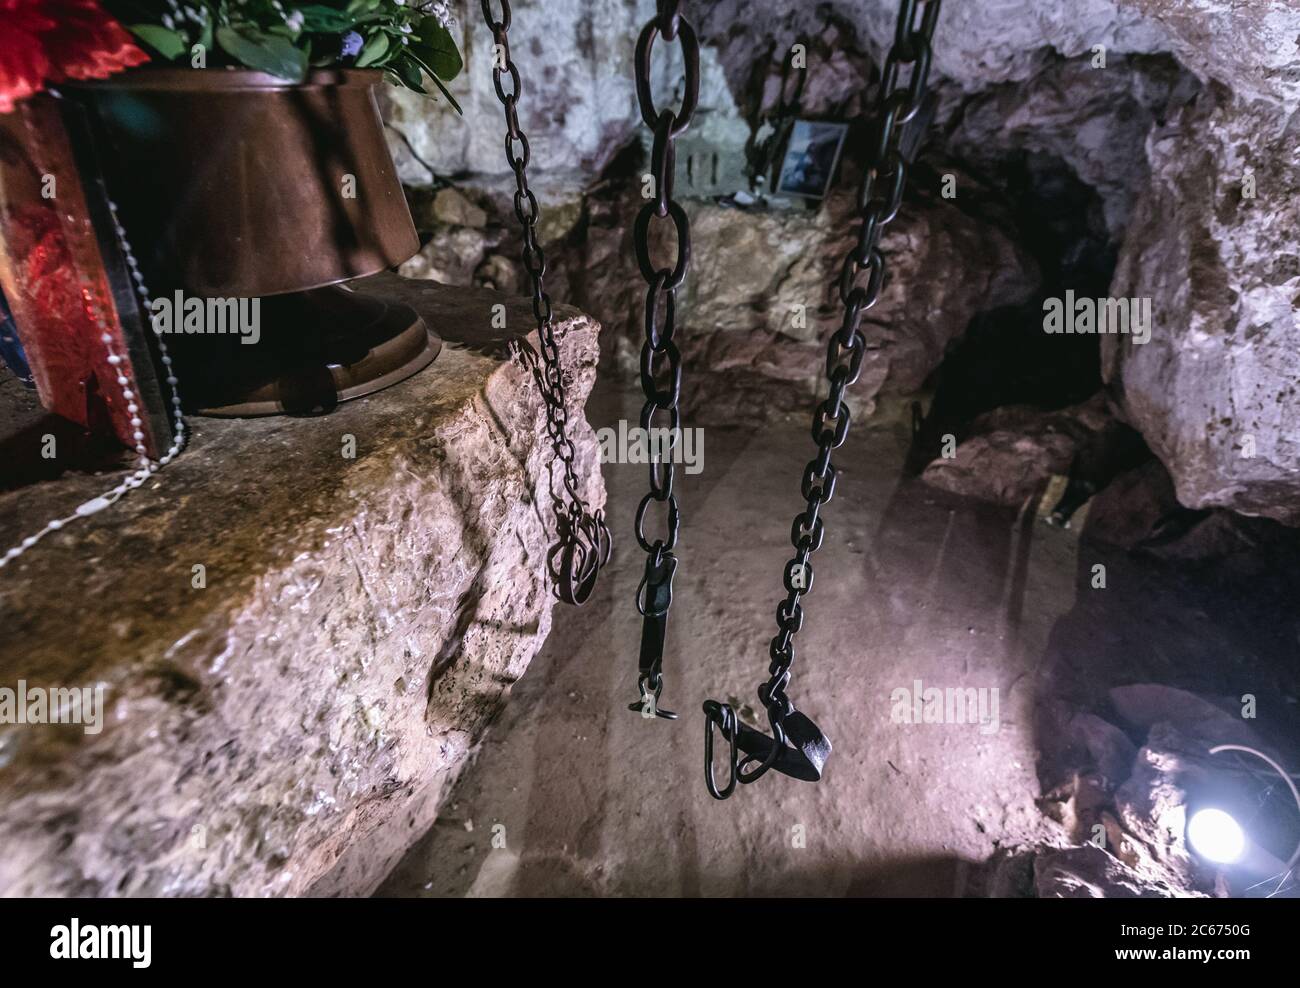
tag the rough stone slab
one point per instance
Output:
(290, 728)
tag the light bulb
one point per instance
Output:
(1216, 836)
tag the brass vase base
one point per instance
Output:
(314, 349)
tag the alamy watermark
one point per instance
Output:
(921, 704)
(100, 941)
(53, 705)
(632, 444)
(202, 316)
(1126, 316)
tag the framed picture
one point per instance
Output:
(811, 156)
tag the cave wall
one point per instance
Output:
(1195, 96)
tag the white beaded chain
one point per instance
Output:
(146, 466)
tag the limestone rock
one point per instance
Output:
(579, 105)
(1108, 749)
(1134, 509)
(1251, 49)
(291, 727)
(761, 296)
(1088, 872)
(1214, 391)
(1152, 804)
(451, 256)
(1094, 119)
(1144, 705)
(1012, 452)
(453, 207)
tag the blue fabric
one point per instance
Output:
(11, 349)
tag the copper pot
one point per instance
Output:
(238, 183)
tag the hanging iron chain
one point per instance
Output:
(583, 539)
(897, 103)
(661, 359)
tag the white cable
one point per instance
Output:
(1276, 768)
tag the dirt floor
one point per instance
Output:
(572, 794)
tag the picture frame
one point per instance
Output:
(811, 158)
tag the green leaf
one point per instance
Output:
(167, 43)
(409, 71)
(438, 49)
(450, 98)
(436, 81)
(264, 52)
(326, 20)
(375, 48)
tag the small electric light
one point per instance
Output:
(1216, 836)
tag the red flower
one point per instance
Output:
(53, 40)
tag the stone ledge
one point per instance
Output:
(290, 728)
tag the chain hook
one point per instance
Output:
(583, 544)
(661, 359)
(582, 547)
(651, 687)
(796, 746)
(720, 716)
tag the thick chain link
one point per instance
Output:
(879, 199)
(661, 360)
(583, 541)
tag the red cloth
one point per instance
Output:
(55, 282)
(45, 41)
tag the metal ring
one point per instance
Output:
(719, 716)
(518, 162)
(662, 397)
(690, 43)
(813, 540)
(655, 336)
(663, 163)
(497, 25)
(673, 522)
(641, 240)
(513, 71)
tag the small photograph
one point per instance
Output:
(810, 158)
